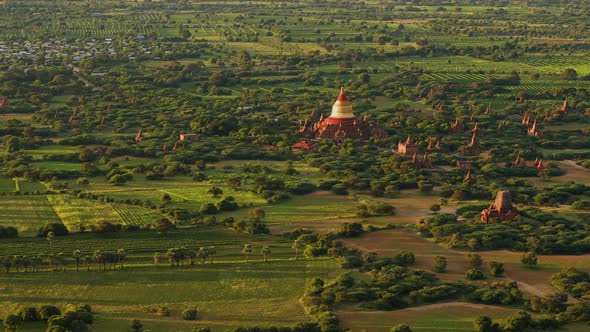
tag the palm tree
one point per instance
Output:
(88, 262)
(35, 261)
(99, 258)
(121, 255)
(61, 259)
(246, 250)
(27, 262)
(297, 245)
(202, 254)
(191, 255)
(77, 254)
(50, 261)
(211, 252)
(266, 253)
(50, 237)
(7, 263)
(170, 254)
(17, 261)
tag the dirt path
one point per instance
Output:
(448, 305)
(573, 164)
(528, 288)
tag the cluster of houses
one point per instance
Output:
(54, 50)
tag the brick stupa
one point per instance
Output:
(500, 210)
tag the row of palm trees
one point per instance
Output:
(179, 255)
(265, 251)
(105, 260)
(34, 263)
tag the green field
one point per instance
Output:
(97, 99)
(260, 293)
(74, 212)
(27, 213)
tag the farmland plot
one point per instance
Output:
(26, 213)
(74, 211)
(134, 215)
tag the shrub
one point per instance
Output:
(581, 205)
(340, 189)
(57, 229)
(47, 311)
(496, 268)
(29, 314)
(189, 314)
(350, 229)
(163, 311)
(208, 208)
(405, 258)
(401, 328)
(474, 260)
(529, 259)
(440, 264)
(475, 274)
(8, 232)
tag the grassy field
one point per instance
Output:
(455, 316)
(321, 211)
(26, 213)
(74, 211)
(257, 292)
(185, 192)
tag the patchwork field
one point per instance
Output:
(27, 215)
(75, 212)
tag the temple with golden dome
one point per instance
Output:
(341, 124)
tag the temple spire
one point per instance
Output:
(342, 109)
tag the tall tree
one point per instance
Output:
(50, 238)
(265, 251)
(77, 254)
(202, 254)
(88, 262)
(121, 255)
(246, 251)
(297, 245)
(211, 252)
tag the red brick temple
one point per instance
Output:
(3, 102)
(500, 210)
(341, 124)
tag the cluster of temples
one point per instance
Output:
(521, 161)
(407, 148)
(532, 127)
(341, 124)
(472, 149)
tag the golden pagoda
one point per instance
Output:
(341, 124)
